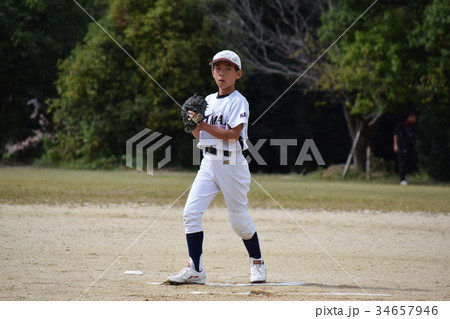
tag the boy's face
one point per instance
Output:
(225, 75)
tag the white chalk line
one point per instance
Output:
(289, 293)
(290, 283)
(274, 284)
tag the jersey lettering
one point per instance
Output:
(225, 113)
(216, 120)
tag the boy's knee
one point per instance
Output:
(244, 230)
(192, 221)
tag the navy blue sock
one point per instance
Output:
(195, 247)
(252, 246)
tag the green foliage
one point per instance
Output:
(396, 56)
(374, 64)
(34, 35)
(434, 87)
(398, 53)
(105, 98)
(433, 36)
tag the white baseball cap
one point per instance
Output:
(227, 55)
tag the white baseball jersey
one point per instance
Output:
(226, 113)
(217, 172)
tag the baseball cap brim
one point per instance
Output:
(224, 59)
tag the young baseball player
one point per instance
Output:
(222, 137)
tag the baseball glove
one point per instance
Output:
(196, 104)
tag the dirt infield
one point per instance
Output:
(68, 253)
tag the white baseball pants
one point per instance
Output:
(217, 174)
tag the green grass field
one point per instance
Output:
(32, 185)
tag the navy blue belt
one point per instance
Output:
(213, 150)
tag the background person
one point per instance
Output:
(405, 146)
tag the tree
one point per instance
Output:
(364, 72)
(434, 89)
(374, 67)
(105, 98)
(275, 37)
(277, 41)
(34, 35)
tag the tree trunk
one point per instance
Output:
(360, 154)
(368, 163)
(347, 163)
(354, 124)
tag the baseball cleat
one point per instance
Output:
(257, 271)
(188, 275)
